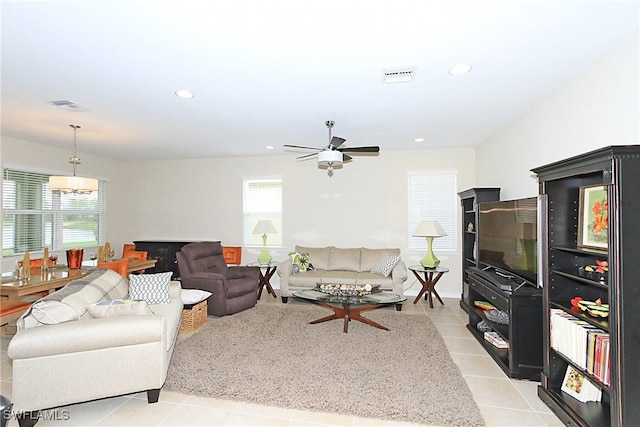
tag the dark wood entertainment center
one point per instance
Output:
(617, 168)
(164, 251)
(523, 304)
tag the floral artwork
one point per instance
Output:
(593, 222)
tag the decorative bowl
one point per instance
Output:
(497, 316)
(347, 290)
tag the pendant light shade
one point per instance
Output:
(73, 183)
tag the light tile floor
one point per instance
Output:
(502, 401)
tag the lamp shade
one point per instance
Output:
(264, 226)
(429, 229)
(330, 157)
(73, 184)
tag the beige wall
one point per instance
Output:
(363, 204)
(596, 108)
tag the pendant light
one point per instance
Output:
(73, 184)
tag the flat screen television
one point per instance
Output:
(507, 237)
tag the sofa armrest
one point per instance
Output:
(285, 268)
(107, 332)
(399, 275)
(243, 272)
(212, 282)
(175, 289)
(399, 272)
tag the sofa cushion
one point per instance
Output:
(340, 277)
(151, 288)
(344, 259)
(370, 257)
(385, 265)
(70, 302)
(319, 257)
(119, 307)
(386, 283)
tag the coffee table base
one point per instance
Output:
(347, 312)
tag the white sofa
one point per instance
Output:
(344, 266)
(91, 358)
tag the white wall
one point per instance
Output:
(365, 203)
(597, 108)
(362, 204)
(47, 159)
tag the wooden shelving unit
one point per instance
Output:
(618, 168)
(469, 200)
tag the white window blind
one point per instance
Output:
(33, 216)
(433, 196)
(262, 201)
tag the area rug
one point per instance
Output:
(271, 355)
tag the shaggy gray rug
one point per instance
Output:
(272, 356)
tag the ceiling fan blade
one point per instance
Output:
(336, 141)
(306, 156)
(300, 146)
(359, 149)
(346, 158)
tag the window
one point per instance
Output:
(433, 196)
(33, 216)
(262, 201)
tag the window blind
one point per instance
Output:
(433, 196)
(262, 201)
(35, 217)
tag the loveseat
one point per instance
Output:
(87, 341)
(342, 265)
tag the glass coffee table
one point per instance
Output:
(349, 307)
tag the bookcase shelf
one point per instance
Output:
(560, 183)
(469, 200)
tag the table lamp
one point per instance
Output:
(429, 229)
(264, 227)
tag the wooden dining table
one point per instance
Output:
(55, 277)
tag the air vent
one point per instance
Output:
(398, 75)
(68, 105)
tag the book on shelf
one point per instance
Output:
(578, 386)
(495, 339)
(584, 344)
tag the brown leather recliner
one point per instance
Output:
(233, 289)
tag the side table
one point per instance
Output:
(266, 272)
(428, 282)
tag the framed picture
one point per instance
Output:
(593, 217)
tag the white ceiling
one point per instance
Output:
(272, 72)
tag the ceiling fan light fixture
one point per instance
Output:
(330, 158)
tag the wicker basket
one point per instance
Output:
(194, 317)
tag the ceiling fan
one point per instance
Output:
(333, 155)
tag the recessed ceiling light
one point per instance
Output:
(460, 69)
(184, 94)
(418, 140)
(269, 147)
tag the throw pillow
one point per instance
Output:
(120, 307)
(70, 302)
(193, 296)
(301, 262)
(151, 288)
(385, 266)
